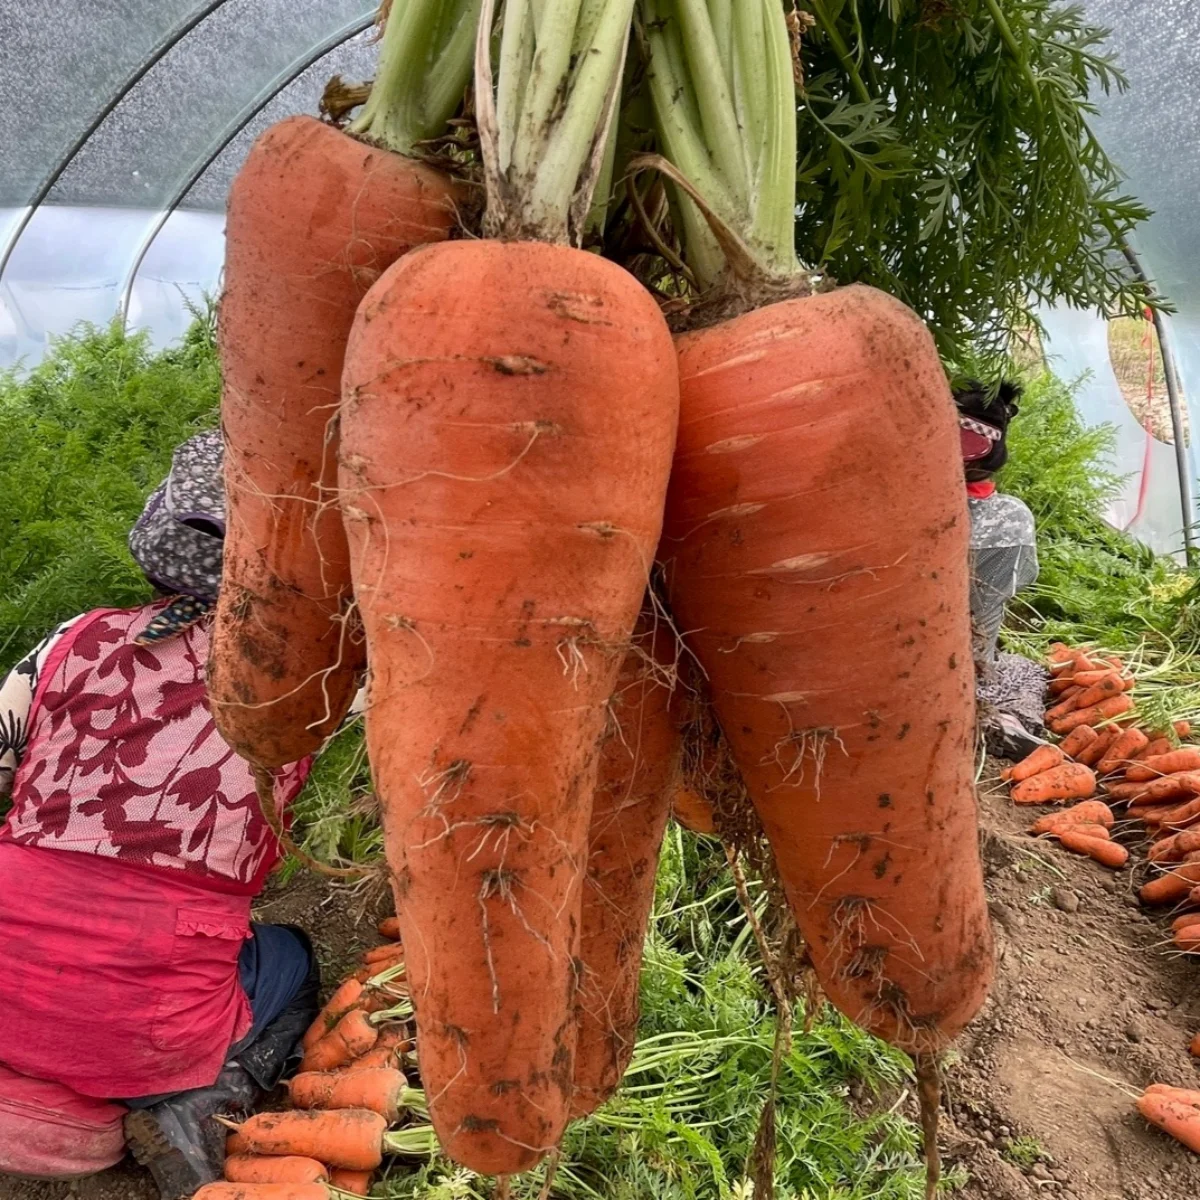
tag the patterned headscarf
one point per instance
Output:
(179, 538)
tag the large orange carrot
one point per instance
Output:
(382, 1090)
(1165, 764)
(1109, 685)
(1088, 813)
(1106, 710)
(351, 1037)
(352, 1138)
(639, 773)
(1078, 740)
(248, 1168)
(1042, 759)
(314, 218)
(831, 619)
(1071, 781)
(491, 390)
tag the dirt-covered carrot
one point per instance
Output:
(1124, 747)
(1070, 781)
(1194, 1048)
(1167, 788)
(248, 1168)
(491, 388)
(1172, 1115)
(639, 774)
(847, 712)
(1106, 710)
(1067, 705)
(1078, 740)
(1062, 686)
(1089, 679)
(1156, 746)
(389, 927)
(1090, 812)
(1091, 754)
(1042, 759)
(355, 1183)
(352, 1036)
(1165, 764)
(264, 1191)
(1173, 886)
(388, 952)
(352, 1138)
(314, 216)
(1178, 817)
(1109, 685)
(1104, 851)
(1188, 938)
(339, 1004)
(235, 1145)
(381, 1090)
(1175, 848)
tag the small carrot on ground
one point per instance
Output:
(1159, 745)
(1042, 759)
(380, 954)
(248, 1168)
(1110, 684)
(1106, 710)
(1077, 740)
(1103, 851)
(353, 1036)
(1090, 812)
(1165, 764)
(263, 1191)
(1188, 938)
(382, 1090)
(352, 1138)
(355, 1183)
(1071, 781)
(1194, 1048)
(389, 927)
(1090, 755)
(340, 1003)
(1174, 1116)
(1173, 886)
(1124, 746)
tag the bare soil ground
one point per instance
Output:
(1089, 1007)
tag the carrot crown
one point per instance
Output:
(722, 82)
(424, 69)
(545, 114)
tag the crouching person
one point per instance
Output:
(139, 999)
(1003, 561)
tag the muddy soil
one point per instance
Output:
(341, 923)
(1089, 1007)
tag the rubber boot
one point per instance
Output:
(178, 1141)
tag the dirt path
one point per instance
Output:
(1089, 1008)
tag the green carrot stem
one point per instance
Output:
(424, 69)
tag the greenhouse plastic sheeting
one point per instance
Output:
(1153, 132)
(177, 89)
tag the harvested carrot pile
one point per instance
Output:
(351, 1102)
(1111, 764)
